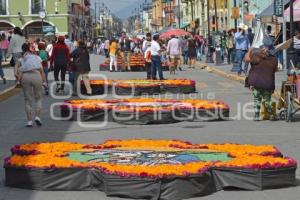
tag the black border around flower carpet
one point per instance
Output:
(170, 188)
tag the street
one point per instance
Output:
(238, 129)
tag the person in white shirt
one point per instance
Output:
(174, 51)
(69, 43)
(16, 42)
(156, 58)
(29, 71)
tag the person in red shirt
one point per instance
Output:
(61, 59)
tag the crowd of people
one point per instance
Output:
(34, 58)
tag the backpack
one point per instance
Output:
(43, 55)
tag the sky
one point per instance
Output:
(121, 8)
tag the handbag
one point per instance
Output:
(12, 62)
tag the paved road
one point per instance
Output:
(285, 136)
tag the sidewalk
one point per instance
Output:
(7, 90)
(225, 71)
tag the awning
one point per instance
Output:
(269, 11)
(296, 12)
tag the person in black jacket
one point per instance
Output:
(61, 59)
(81, 62)
(125, 51)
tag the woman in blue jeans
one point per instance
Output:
(156, 59)
(1, 71)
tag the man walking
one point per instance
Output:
(156, 58)
(174, 51)
(242, 45)
(125, 51)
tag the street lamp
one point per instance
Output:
(42, 15)
(292, 31)
(209, 53)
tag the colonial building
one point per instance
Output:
(64, 16)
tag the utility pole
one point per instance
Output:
(179, 14)
(292, 33)
(216, 16)
(209, 53)
(235, 20)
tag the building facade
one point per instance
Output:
(65, 16)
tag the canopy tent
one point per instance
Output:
(296, 12)
(269, 11)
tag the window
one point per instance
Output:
(3, 7)
(36, 6)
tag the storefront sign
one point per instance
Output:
(278, 8)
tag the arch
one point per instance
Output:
(8, 23)
(39, 20)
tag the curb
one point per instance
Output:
(9, 92)
(232, 77)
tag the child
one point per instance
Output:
(45, 57)
(148, 60)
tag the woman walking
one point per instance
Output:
(113, 50)
(15, 45)
(1, 71)
(81, 60)
(192, 52)
(261, 77)
(61, 59)
(4, 44)
(29, 71)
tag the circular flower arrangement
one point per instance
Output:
(147, 158)
(148, 169)
(149, 109)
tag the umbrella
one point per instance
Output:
(176, 32)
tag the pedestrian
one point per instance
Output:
(242, 45)
(29, 71)
(156, 58)
(296, 58)
(148, 60)
(230, 46)
(69, 43)
(61, 59)
(192, 52)
(174, 51)
(44, 56)
(185, 50)
(146, 41)
(81, 62)
(113, 53)
(4, 44)
(15, 44)
(106, 48)
(223, 45)
(199, 45)
(250, 36)
(125, 49)
(1, 71)
(146, 47)
(261, 77)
